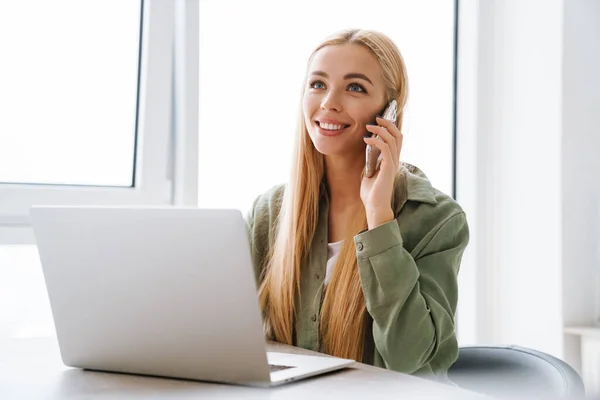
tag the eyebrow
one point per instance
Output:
(351, 75)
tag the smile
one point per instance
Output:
(331, 129)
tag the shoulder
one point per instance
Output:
(419, 192)
(267, 205)
(263, 215)
(260, 222)
(426, 210)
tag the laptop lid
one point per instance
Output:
(159, 291)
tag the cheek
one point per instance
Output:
(370, 114)
(359, 108)
(362, 117)
(306, 109)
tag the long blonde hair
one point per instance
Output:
(343, 317)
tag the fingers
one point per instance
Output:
(393, 130)
(389, 159)
(386, 137)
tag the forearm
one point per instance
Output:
(411, 305)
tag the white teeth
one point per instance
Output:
(331, 127)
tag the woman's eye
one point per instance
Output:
(355, 87)
(317, 85)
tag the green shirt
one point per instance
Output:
(408, 271)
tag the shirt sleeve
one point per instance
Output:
(412, 297)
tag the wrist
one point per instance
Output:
(377, 217)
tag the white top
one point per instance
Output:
(333, 251)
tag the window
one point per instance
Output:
(86, 111)
(85, 105)
(252, 64)
(69, 100)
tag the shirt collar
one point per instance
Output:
(413, 185)
(418, 186)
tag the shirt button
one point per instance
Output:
(313, 317)
(318, 276)
(359, 246)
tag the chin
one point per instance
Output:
(325, 147)
(335, 145)
(335, 149)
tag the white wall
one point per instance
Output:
(525, 181)
(466, 167)
(533, 201)
(581, 168)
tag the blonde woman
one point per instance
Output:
(358, 267)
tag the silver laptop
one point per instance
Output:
(160, 291)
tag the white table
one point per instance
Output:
(32, 369)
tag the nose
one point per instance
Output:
(331, 102)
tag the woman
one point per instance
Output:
(357, 267)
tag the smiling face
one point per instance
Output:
(344, 91)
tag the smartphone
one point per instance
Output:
(373, 154)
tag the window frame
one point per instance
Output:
(155, 145)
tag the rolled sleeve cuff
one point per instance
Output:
(369, 243)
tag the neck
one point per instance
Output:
(343, 179)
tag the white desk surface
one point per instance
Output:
(32, 369)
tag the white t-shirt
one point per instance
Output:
(333, 251)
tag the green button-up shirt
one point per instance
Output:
(408, 271)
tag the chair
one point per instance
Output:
(513, 371)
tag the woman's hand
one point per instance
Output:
(376, 192)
